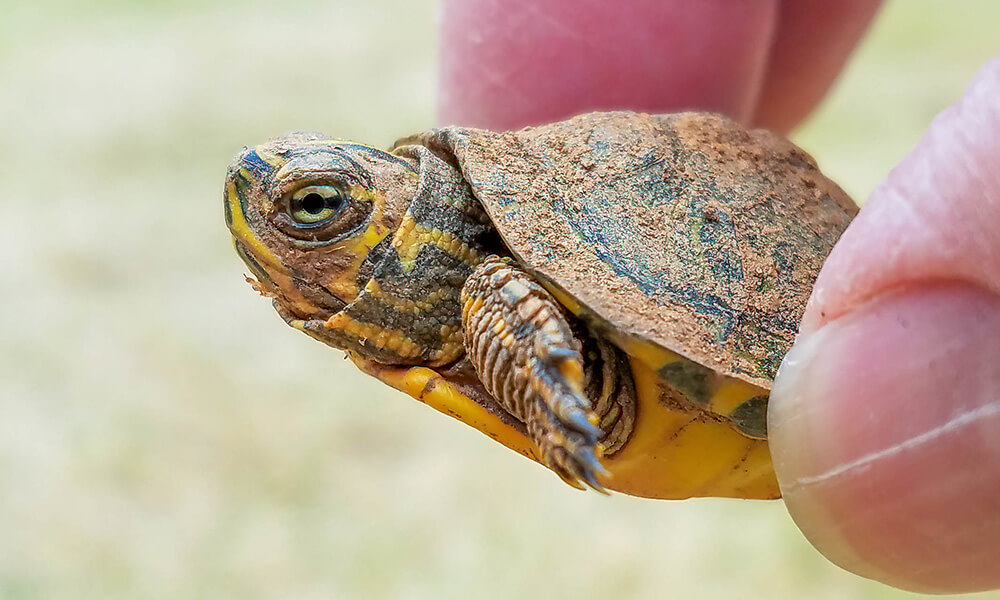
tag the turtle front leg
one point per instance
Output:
(530, 361)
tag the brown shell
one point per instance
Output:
(685, 230)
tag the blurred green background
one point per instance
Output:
(164, 435)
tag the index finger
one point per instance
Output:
(508, 64)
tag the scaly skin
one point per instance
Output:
(529, 359)
(384, 277)
(665, 262)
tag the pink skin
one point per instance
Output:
(510, 63)
(885, 418)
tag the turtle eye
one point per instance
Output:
(322, 212)
(316, 204)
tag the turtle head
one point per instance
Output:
(306, 212)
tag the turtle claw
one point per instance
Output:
(580, 469)
(581, 421)
(529, 358)
(569, 446)
(566, 428)
(595, 485)
(592, 471)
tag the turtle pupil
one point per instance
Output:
(314, 203)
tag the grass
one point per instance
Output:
(165, 436)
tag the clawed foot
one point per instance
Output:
(565, 430)
(529, 359)
(562, 422)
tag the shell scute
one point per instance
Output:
(686, 230)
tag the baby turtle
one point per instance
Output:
(609, 295)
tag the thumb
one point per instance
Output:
(885, 416)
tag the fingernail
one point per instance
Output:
(885, 433)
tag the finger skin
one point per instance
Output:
(885, 417)
(813, 40)
(510, 63)
(934, 217)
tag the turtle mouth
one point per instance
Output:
(251, 263)
(297, 296)
(321, 301)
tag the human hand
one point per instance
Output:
(507, 64)
(885, 417)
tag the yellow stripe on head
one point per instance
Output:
(243, 233)
(344, 282)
